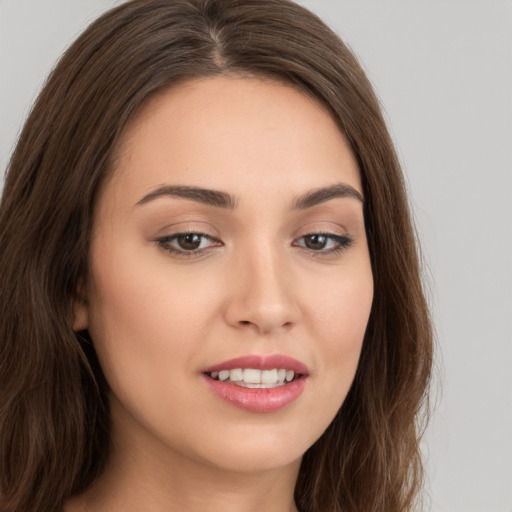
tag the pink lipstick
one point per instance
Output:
(257, 383)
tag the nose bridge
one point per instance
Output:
(262, 290)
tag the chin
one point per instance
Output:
(263, 449)
(257, 461)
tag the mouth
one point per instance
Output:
(258, 383)
(255, 379)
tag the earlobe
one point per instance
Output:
(80, 310)
(81, 319)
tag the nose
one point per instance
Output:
(262, 294)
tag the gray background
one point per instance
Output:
(443, 70)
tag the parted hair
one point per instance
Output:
(54, 407)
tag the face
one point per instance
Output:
(230, 237)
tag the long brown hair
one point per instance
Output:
(54, 414)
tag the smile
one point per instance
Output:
(253, 378)
(258, 383)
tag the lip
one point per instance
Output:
(255, 399)
(260, 362)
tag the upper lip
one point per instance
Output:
(260, 362)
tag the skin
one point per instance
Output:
(158, 318)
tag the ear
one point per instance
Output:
(81, 309)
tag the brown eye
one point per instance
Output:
(324, 243)
(189, 241)
(316, 242)
(188, 244)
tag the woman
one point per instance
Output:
(210, 285)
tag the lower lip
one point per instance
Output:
(257, 399)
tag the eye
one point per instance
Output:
(324, 243)
(187, 244)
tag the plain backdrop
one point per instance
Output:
(443, 71)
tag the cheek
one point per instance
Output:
(340, 319)
(144, 322)
(141, 306)
(126, 315)
(142, 331)
(341, 311)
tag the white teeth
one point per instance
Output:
(236, 374)
(269, 377)
(252, 378)
(224, 375)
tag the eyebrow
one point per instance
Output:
(200, 195)
(321, 195)
(224, 200)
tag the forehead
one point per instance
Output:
(208, 131)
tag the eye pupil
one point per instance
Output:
(315, 242)
(189, 241)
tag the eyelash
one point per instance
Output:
(342, 242)
(166, 241)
